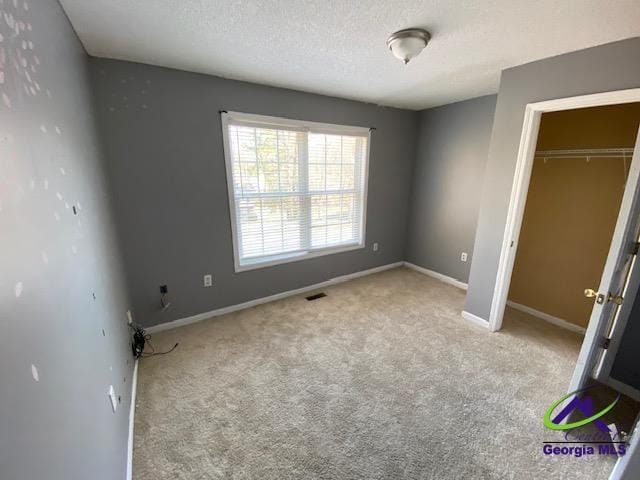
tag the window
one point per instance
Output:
(296, 189)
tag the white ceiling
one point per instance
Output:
(337, 47)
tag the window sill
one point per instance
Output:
(295, 257)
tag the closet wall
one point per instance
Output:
(571, 210)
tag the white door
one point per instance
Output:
(615, 277)
(615, 332)
(628, 466)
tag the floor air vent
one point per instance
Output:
(316, 296)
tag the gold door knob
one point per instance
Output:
(591, 293)
(617, 299)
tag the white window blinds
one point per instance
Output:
(296, 189)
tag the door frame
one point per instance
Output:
(522, 176)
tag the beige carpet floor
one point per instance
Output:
(381, 379)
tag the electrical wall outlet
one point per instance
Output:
(208, 280)
(129, 317)
(375, 246)
(113, 398)
(463, 257)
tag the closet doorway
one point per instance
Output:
(578, 179)
(579, 216)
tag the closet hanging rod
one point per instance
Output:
(586, 152)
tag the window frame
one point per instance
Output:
(286, 123)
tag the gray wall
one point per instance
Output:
(60, 427)
(613, 66)
(162, 136)
(451, 156)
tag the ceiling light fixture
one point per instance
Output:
(408, 43)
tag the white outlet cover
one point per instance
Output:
(375, 246)
(208, 280)
(112, 397)
(463, 256)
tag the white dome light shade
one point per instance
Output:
(407, 44)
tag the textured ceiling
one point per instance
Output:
(337, 47)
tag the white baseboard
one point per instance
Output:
(481, 322)
(259, 301)
(436, 275)
(132, 412)
(559, 322)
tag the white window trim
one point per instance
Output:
(316, 127)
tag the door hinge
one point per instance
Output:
(606, 342)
